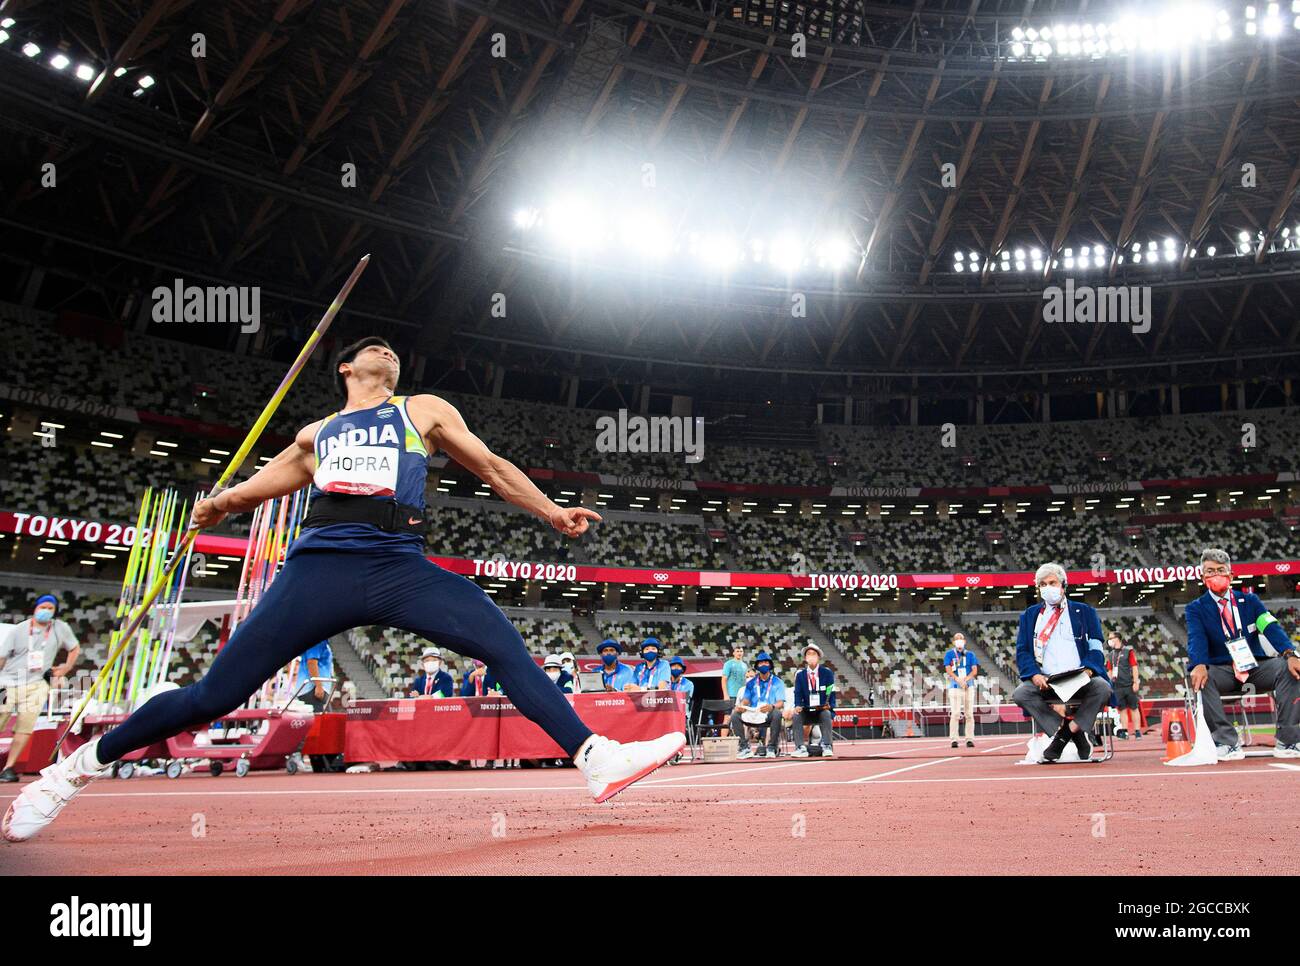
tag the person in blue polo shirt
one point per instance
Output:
(1060, 637)
(432, 681)
(315, 670)
(1225, 655)
(614, 675)
(961, 667)
(651, 674)
(759, 706)
(680, 682)
(814, 702)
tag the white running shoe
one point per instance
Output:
(744, 753)
(828, 752)
(1286, 751)
(610, 766)
(802, 752)
(1231, 753)
(39, 803)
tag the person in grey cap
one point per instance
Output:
(814, 701)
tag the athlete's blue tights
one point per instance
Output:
(322, 593)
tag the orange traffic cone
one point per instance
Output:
(1177, 731)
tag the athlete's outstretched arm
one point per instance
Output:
(290, 470)
(449, 432)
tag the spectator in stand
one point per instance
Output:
(26, 661)
(554, 669)
(1122, 663)
(479, 682)
(1056, 639)
(651, 674)
(615, 675)
(1225, 653)
(814, 702)
(734, 675)
(759, 707)
(961, 667)
(315, 668)
(432, 681)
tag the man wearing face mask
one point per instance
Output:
(554, 668)
(759, 706)
(432, 681)
(569, 665)
(1056, 637)
(26, 658)
(651, 674)
(961, 667)
(680, 682)
(614, 675)
(1225, 654)
(814, 702)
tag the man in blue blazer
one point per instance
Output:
(814, 701)
(1057, 636)
(1218, 622)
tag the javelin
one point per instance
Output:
(138, 616)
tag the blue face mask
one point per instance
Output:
(650, 656)
(765, 669)
(609, 658)
(44, 615)
(677, 672)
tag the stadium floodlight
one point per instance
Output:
(31, 50)
(786, 252)
(4, 35)
(7, 22)
(1018, 34)
(1018, 49)
(647, 234)
(574, 223)
(85, 72)
(958, 257)
(958, 267)
(60, 61)
(526, 218)
(1243, 236)
(119, 72)
(145, 82)
(1033, 35)
(835, 253)
(719, 250)
(1210, 251)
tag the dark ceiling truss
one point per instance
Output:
(229, 168)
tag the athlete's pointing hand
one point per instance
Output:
(572, 520)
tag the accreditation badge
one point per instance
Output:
(1242, 659)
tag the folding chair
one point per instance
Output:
(711, 706)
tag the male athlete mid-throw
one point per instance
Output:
(360, 561)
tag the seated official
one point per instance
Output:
(432, 681)
(814, 702)
(652, 673)
(554, 668)
(679, 681)
(614, 675)
(315, 667)
(759, 707)
(479, 682)
(1226, 656)
(1055, 637)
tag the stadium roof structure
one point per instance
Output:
(911, 176)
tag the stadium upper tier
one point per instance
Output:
(139, 375)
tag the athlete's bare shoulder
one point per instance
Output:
(429, 412)
(306, 438)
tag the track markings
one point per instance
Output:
(899, 771)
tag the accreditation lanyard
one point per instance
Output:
(644, 674)
(428, 683)
(763, 698)
(36, 656)
(1040, 642)
(814, 689)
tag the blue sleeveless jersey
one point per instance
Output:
(369, 454)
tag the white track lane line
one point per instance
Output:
(1287, 767)
(899, 771)
(735, 771)
(985, 751)
(502, 790)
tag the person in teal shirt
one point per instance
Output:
(734, 674)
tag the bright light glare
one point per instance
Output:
(31, 50)
(59, 61)
(85, 72)
(146, 82)
(574, 224)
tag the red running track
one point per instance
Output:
(880, 808)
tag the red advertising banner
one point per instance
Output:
(450, 729)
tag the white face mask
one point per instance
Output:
(1051, 595)
(431, 666)
(959, 644)
(553, 674)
